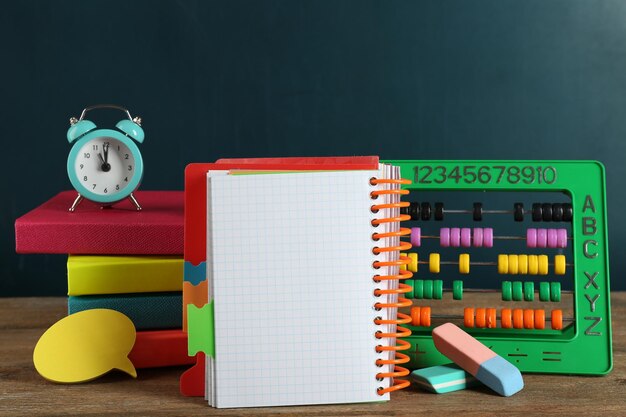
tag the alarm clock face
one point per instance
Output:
(105, 166)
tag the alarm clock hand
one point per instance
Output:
(106, 167)
(105, 149)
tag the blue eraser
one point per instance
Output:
(443, 378)
(501, 376)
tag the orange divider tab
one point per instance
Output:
(194, 294)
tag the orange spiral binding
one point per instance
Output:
(398, 358)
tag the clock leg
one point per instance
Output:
(134, 200)
(77, 201)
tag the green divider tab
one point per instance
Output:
(201, 330)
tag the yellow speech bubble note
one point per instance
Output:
(86, 345)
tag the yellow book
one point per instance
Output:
(93, 275)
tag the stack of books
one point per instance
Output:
(120, 259)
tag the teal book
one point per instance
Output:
(146, 311)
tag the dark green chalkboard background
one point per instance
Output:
(400, 79)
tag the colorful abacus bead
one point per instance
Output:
(425, 211)
(506, 318)
(529, 318)
(488, 237)
(543, 264)
(413, 262)
(544, 291)
(513, 264)
(428, 289)
(437, 289)
(466, 237)
(477, 212)
(561, 238)
(439, 211)
(444, 237)
(556, 319)
(518, 212)
(416, 237)
(507, 291)
(464, 263)
(434, 263)
(552, 240)
(529, 291)
(503, 264)
(468, 317)
(555, 292)
(523, 264)
(478, 237)
(559, 264)
(457, 289)
(455, 237)
(540, 319)
(492, 320)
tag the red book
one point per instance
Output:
(119, 230)
(154, 349)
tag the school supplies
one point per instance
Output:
(159, 348)
(121, 230)
(443, 378)
(521, 250)
(291, 246)
(477, 359)
(160, 310)
(92, 275)
(84, 346)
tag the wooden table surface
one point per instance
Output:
(155, 391)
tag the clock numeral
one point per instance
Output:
(126, 156)
(95, 147)
(85, 178)
(94, 186)
(106, 191)
(117, 187)
(82, 166)
(87, 155)
(118, 147)
(126, 179)
(130, 167)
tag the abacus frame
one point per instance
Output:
(584, 346)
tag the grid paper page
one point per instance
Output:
(292, 265)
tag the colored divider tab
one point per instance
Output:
(195, 274)
(201, 329)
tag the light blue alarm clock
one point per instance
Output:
(105, 165)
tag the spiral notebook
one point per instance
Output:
(294, 314)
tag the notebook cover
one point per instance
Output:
(159, 348)
(121, 230)
(147, 312)
(97, 275)
(195, 229)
